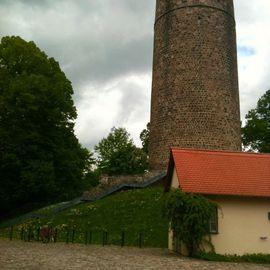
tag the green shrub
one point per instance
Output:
(250, 258)
(189, 215)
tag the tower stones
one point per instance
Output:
(195, 99)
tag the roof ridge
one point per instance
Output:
(222, 152)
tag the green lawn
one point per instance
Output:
(132, 216)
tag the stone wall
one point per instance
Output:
(195, 99)
(110, 184)
(119, 179)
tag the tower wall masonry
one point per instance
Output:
(195, 98)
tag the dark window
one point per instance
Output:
(213, 223)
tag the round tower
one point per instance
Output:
(195, 97)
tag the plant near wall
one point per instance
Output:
(189, 215)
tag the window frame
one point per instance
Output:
(213, 227)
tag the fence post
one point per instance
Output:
(29, 234)
(22, 233)
(86, 237)
(25, 235)
(55, 235)
(123, 239)
(38, 233)
(90, 237)
(67, 236)
(105, 238)
(140, 240)
(11, 233)
(73, 236)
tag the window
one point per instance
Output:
(213, 223)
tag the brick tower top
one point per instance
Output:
(195, 98)
(165, 6)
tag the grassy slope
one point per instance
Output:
(134, 211)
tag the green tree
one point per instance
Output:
(189, 215)
(256, 132)
(117, 154)
(144, 136)
(40, 157)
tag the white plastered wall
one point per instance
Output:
(243, 226)
(175, 182)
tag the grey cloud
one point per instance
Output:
(26, 2)
(134, 99)
(94, 41)
(98, 42)
(108, 63)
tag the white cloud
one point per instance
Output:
(97, 112)
(253, 24)
(124, 102)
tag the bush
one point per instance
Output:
(250, 258)
(189, 216)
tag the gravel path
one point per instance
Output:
(37, 256)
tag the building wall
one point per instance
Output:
(243, 224)
(195, 99)
(175, 181)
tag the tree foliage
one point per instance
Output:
(40, 157)
(117, 154)
(189, 216)
(144, 136)
(256, 133)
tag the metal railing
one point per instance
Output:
(88, 237)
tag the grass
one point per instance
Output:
(249, 258)
(135, 215)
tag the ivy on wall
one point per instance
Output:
(189, 215)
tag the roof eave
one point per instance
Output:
(231, 195)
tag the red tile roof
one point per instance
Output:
(221, 172)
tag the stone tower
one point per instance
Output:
(195, 98)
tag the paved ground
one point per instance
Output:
(37, 256)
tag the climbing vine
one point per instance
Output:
(189, 215)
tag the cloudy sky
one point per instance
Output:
(105, 49)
